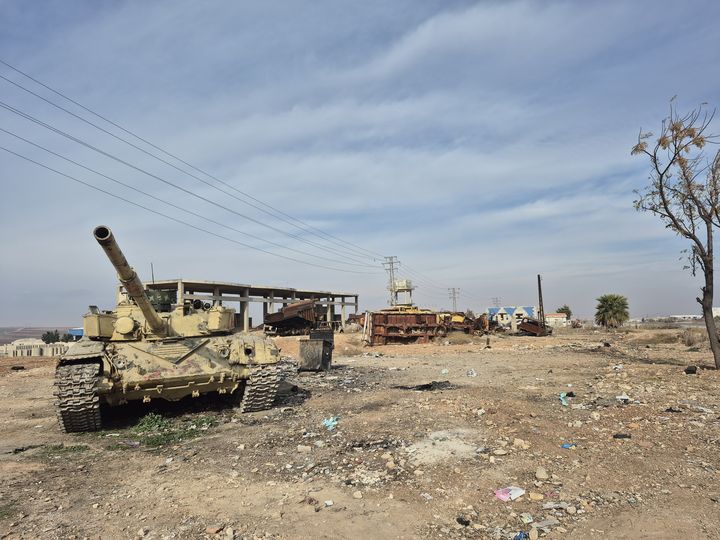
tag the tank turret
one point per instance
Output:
(129, 278)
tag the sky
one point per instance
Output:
(482, 143)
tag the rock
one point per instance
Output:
(520, 443)
(500, 452)
(143, 532)
(691, 370)
(304, 449)
(595, 415)
(535, 496)
(229, 533)
(541, 474)
(571, 510)
(418, 472)
(329, 502)
(390, 465)
(462, 520)
(357, 495)
(533, 534)
(213, 529)
(96, 505)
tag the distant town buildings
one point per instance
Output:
(33, 347)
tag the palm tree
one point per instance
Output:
(612, 310)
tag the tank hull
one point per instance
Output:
(241, 364)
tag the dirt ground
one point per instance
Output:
(400, 463)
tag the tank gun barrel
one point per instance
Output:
(128, 277)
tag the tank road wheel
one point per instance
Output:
(77, 403)
(260, 389)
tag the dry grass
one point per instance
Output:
(657, 338)
(694, 336)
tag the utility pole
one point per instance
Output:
(390, 264)
(454, 294)
(541, 314)
(496, 301)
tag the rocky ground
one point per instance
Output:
(630, 451)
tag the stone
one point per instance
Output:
(541, 474)
(213, 529)
(357, 495)
(571, 510)
(535, 496)
(329, 502)
(230, 533)
(500, 452)
(143, 532)
(595, 415)
(304, 449)
(520, 443)
(533, 534)
(96, 505)
(390, 465)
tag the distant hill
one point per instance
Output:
(9, 334)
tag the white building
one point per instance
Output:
(33, 347)
(556, 320)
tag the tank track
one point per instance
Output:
(261, 388)
(77, 402)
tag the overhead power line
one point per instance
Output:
(177, 207)
(169, 183)
(180, 221)
(268, 209)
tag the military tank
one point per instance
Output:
(158, 348)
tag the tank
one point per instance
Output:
(154, 347)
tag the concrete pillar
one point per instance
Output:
(245, 310)
(180, 294)
(356, 304)
(330, 310)
(342, 312)
(271, 303)
(216, 292)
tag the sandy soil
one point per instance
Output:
(400, 463)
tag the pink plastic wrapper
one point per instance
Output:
(509, 493)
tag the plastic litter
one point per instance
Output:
(622, 436)
(526, 518)
(462, 520)
(569, 446)
(563, 399)
(624, 398)
(471, 373)
(509, 493)
(522, 535)
(331, 423)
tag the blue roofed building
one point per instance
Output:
(504, 315)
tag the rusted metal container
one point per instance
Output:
(403, 327)
(315, 355)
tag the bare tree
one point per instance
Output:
(684, 192)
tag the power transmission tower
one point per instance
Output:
(454, 294)
(496, 301)
(390, 264)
